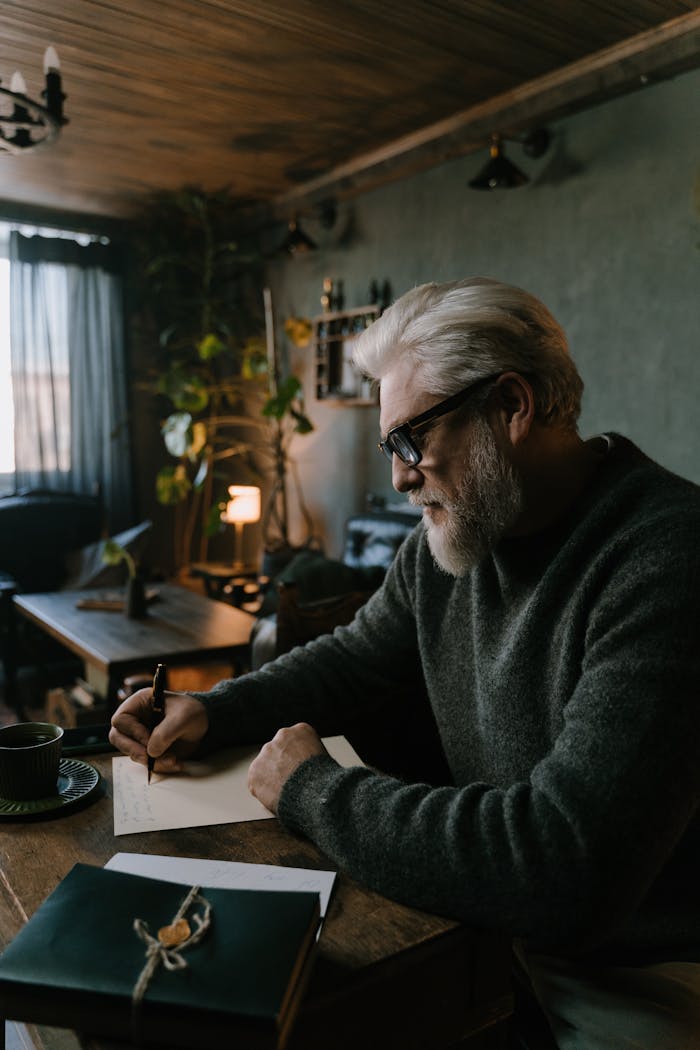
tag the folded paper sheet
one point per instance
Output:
(226, 874)
(214, 791)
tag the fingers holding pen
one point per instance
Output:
(129, 732)
(177, 735)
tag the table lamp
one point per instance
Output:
(242, 508)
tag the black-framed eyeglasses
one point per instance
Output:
(399, 441)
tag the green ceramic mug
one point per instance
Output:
(30, 753)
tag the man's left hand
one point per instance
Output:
(278, 759)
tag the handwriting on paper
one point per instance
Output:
(133, 808)
(210, 792)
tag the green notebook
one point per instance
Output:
(77, 961)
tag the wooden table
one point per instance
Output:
(181, 627)
(386, 977)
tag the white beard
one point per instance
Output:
(488, 502)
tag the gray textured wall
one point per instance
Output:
(607, 233)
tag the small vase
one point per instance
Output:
(135, 606)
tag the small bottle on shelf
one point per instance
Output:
(327, 297)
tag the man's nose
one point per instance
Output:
(404, 478)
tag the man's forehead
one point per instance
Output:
(402, 396)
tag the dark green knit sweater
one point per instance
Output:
(564, 675)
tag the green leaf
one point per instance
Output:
(290, 388)
(177, 433)
(273, 409)
(212, 523)
(254, 363)
(210, 346)
(201, 475)
(186, 390)
(227, 248)
(198, 441)
(303, 423)
(287, 391)
(172, 485)
(166, 335)
(113, 553)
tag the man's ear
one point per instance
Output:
(513, 407)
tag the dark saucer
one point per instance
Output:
(76, 780)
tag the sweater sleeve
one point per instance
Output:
(567, 856)
(349, 674)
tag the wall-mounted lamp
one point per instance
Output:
(499, 172)
(243, 508)
(29, 123)
(299, 243)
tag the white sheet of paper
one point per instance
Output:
(226, 874)
(213, 791)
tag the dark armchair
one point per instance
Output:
(38, 530)
(313, 594)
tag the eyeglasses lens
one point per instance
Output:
(404, 448)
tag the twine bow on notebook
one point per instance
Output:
(167, 947)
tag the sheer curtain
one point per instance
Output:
(69, 370)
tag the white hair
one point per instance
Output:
(458, 332)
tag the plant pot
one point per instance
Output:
(135, 605)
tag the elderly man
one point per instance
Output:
(549, 604)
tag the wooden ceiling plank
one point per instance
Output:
(145, 29)
(655, 53)
(263, 93)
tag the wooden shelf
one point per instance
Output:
(337, 380)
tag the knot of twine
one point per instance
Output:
(170, 957)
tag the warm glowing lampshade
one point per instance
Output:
(241, 509)
(244, 505)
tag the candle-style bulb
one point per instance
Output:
(17, 84)
(20, 114)
(51, 63)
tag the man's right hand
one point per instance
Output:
(176, 737)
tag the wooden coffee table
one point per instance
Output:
(182, 627)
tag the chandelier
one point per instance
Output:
(25, 123)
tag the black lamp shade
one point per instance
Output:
(499, 173)
(296, 242)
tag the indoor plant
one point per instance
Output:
(230, 413)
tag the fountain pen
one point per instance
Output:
(157, 707)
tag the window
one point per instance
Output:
(7, 416)
(46, 381)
